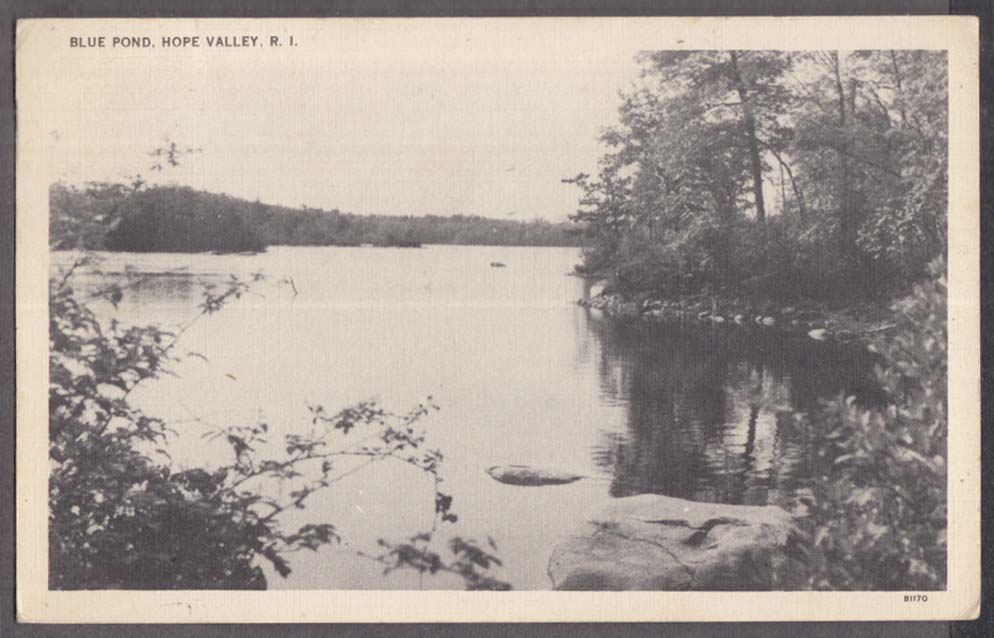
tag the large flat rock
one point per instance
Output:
(651, 542)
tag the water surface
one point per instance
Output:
(521, 373)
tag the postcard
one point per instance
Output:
(517, 319)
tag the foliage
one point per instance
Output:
(813, 174)
(877, 518)
(188, 226)
(174, 218)
(121, 516)
(80, 218)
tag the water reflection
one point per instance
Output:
(705, 407)
(165, 288)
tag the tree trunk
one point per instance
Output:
(801, 210)
(783, 193)
(847, 223)
(750, 129)
(852, 100)
(790, 174)
(900, 88)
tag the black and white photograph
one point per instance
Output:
(529, 309)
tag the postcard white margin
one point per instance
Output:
(39, 47)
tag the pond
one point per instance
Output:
(520, 372)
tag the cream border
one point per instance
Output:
(37, 93)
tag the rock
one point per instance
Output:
(717, 319)
(769, 321)
(818, 334)
(740, 319)
(651, 542)
(525, 475)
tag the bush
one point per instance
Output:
(877, 518)
(656, 269)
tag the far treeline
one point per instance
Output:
(122, 217)
(772, 174)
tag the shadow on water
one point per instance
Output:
(177, 288)
(166, 288)
(706, 407)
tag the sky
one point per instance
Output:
(439, 120)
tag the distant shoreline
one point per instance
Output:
(183, 220)
(220, 253)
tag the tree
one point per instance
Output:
(605, 211)
(679, 205)
(732, 86)
(749, 123)
(872, 128)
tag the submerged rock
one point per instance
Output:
(652, 542)
(530, 476)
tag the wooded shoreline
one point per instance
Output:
(138, 218)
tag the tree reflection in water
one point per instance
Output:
(706, 406)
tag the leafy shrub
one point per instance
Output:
(657, 269)
(877, 518)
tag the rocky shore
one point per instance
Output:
(815, 321)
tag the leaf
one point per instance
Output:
(281, 566)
